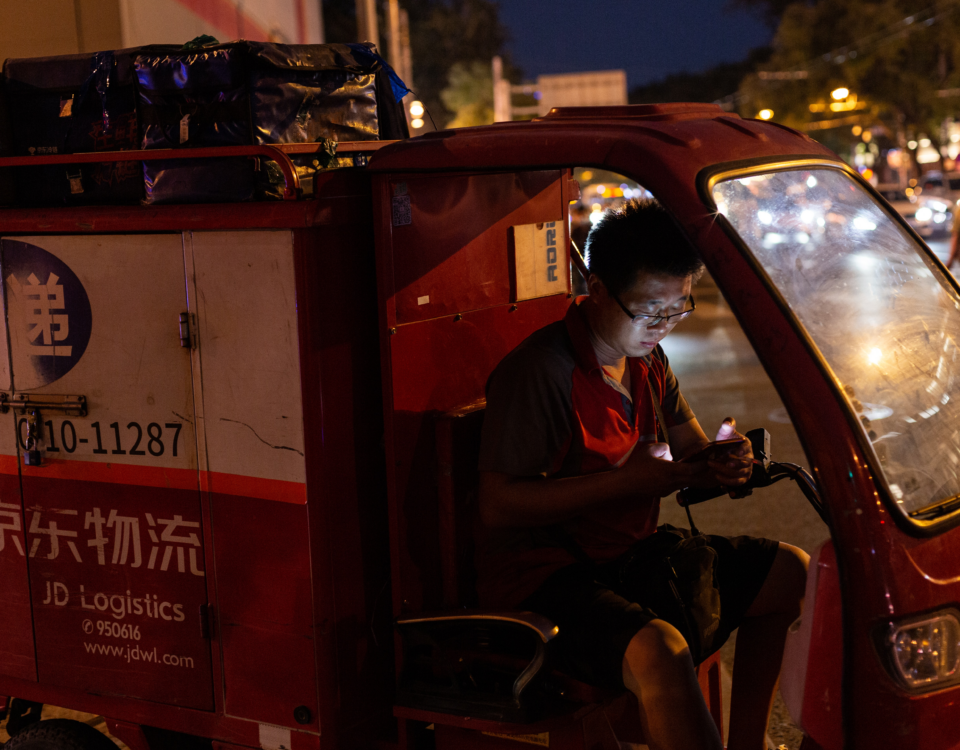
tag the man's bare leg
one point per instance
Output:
(760, 642)
(658, 669)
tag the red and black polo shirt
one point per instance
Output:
(553, 412)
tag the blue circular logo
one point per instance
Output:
(48, 312)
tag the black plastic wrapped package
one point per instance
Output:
(300, 93)
(73, 104)
(195, 99)
(305, 93)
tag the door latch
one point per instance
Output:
(30, 405)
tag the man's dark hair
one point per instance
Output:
(639, 236)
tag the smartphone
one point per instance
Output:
(715, 450)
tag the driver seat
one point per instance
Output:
(480, 678)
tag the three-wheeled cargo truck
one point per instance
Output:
(238, 452)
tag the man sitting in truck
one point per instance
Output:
(571, 460)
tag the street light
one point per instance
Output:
(765, 114)
(416, 114)
(840, 94)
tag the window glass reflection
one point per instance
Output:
(883, 316)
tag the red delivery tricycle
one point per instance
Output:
(238, 472)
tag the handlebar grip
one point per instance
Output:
(695, 495)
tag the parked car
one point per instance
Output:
(931, 216)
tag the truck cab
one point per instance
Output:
(240, 448)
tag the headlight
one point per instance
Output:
(923, 214)
(926, 653)
(939, 218)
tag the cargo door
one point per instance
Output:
(102, 396)
(252, 459)
(17, 658)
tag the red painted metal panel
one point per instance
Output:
(453, 255)
(346, 481)
(127, 625)
(263, 587)
(439, 364)
(822, 706)
(17, 657)
(254, 470)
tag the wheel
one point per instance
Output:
(60, 734)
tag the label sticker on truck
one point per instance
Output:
(48, 311)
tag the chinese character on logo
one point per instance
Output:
(167, 535)
(125, 541)
(54, 533)
(40, 303)
(10, 521)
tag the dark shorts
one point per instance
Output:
(596, 623)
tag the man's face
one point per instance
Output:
(651, 294)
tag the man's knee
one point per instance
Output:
(794, 563)
(782, 592)
(656, 654)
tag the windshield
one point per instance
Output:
(883, 316)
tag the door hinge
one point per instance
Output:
(188, 325)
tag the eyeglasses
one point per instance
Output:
(650, 321)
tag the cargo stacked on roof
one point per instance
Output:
(165, 97)
(305, 93)
(192, 99)
(72, 104)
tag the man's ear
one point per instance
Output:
(597, 288)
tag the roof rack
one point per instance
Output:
(279, 153)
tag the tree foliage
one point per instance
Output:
(771, 11)
(469, 94)
(892, 55)
(443, 34)
(446, 32)
(711, 85)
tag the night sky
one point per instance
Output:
(649, 39)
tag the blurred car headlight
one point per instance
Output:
(923, 214)
(938, 205)
(939, 218)
(925, 653)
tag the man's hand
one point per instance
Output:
(736, 467)
(651, 470)
(659, 450)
